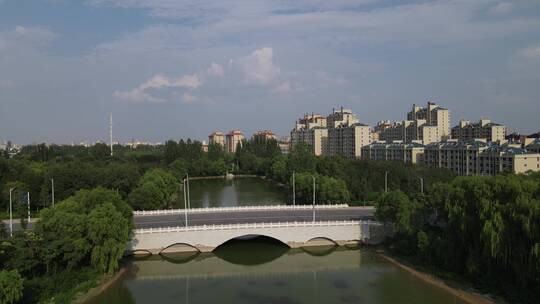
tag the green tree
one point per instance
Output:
(11, 286)
(108, 233)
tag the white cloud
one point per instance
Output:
(141, 94)
(501, 8)
(258, 67)
(23, 38)
(531, 53)
(284, 87)
(215, 70)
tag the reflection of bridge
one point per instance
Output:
(211, 266)
(291, 226)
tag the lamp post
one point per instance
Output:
(185, 201)
(52, 190)
(293, 190)
(385, 181)
(10, 214)
(188, 198)
(313, 198)
(28, 200)
(421, 185)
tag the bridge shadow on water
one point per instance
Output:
(251, 250)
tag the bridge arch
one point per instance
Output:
(179, 247)
(244, 237)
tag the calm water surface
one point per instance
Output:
(261, 272)
(235, 192)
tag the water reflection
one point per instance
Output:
(179, 257)
(319, 250)
(251, 250)
(263, 271)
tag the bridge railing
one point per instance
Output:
(252, 226)
(238, 208)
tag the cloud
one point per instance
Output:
(501, 8)
(189, 98)
(141, 94)
(531, 53)
(258, 67)
(215, 70)
(23, 38)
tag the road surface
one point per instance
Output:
(235, 217)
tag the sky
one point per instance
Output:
(171, 69)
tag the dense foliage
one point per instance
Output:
(11, 286)
(484, 228)
(73, 242)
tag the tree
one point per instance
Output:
(11, 286)
(108, 233)
(147, 197)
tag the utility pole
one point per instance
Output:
(52, 190)
(28, 200)
(421, 185)
(313, 198)
(10, 214)
(293, 190)
(385, 181)
(110, 135)
(185, 201)
(188, 198)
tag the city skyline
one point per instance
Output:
(163, 68)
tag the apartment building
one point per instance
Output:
(232, 140)
(479, 157)
(339, 133)
(427, 125)
(348, 140)
(216, 138)
(533, 146)
(394, 151)
(483, 129)
(264, 135)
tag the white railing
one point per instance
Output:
(238, 209)
(252, 226)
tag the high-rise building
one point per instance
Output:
(311, 130)
(427, 125)
(265, 135)
(339, 133)
(232, 140)
(484, 129)
(216, 138)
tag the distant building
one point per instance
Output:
(264, 135)
(478, 157)
(347, 140)
(232, 140)
(395, 151)
(484, 129)
(216, 138)
(311, 130)
(339, 134)
(204, 146)
(427, 125)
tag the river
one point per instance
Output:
(234, 192)
(263, 271)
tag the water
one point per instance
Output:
(235, 192)
(263, 272)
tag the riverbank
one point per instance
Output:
(460, 292)
(103, 285)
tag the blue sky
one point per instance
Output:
(183, 68)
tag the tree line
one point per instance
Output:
(486, 229)
(70, 247)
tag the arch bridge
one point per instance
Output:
(206, 238)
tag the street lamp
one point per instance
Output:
(185, 200)
(52, 190)
(10, 214)
(385, 181)
(293, 190)
(28, 200)
(313, 198)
